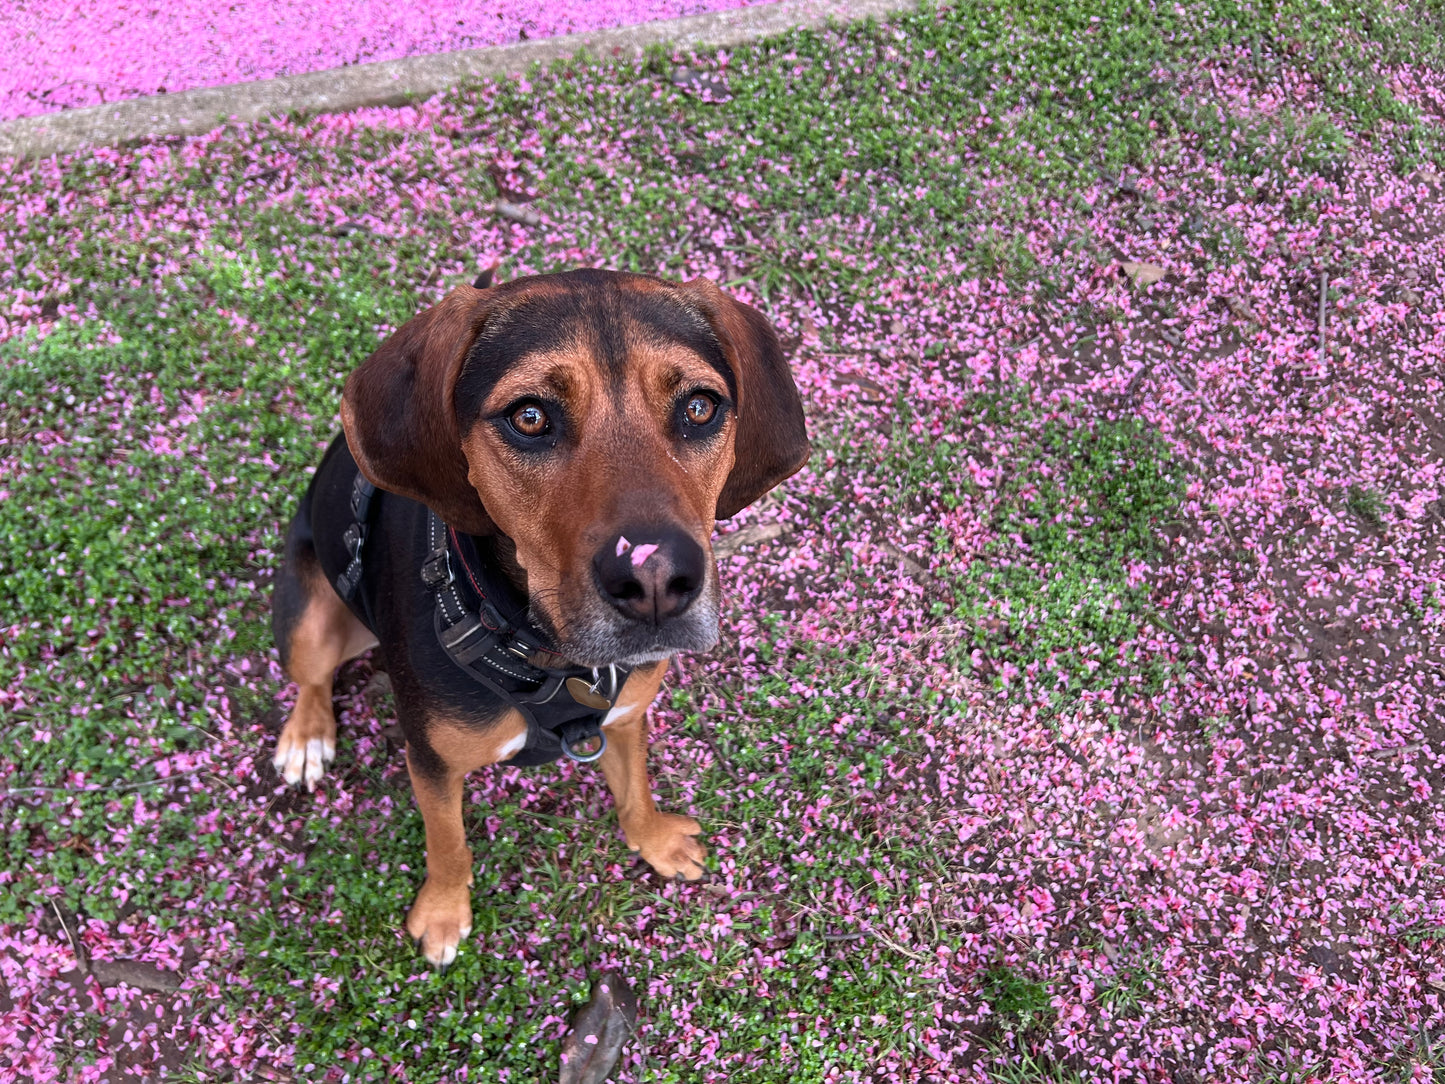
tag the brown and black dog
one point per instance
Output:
(577, 434)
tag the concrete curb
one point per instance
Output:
(396, 82)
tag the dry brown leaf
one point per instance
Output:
(752, 534)
(599, 1030)
(1243, 309)
(849, 376)
(1143, 274)
(136, 973)
(514, 213)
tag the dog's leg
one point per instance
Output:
(315, 633)
(666, 840)
(442, 914)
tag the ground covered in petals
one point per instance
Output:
(1078, 713)
(89, 53)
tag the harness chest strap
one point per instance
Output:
(563, 708)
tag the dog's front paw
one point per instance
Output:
(440, 918)
(668, 842)
(301, 756)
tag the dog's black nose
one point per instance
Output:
(650, 574)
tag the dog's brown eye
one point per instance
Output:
(700, 410)
(530, 420)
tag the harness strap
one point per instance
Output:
(355, 537)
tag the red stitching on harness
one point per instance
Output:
(461, 559)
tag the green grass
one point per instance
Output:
(361, 985)
(1421, 932)
(1020, 1003)
(145, 563)
(1083, 498)
(1089, 500)
(362, 988)
(1026, 1068)
(1426, 1050)
(1291, 1071)
(238, 362)
(876, 162)
(1128, 986)
(1368, 504)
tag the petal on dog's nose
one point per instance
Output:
(652, 581)
(622, 545)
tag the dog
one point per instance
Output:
(518, 513)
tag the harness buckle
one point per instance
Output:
(436, 570)
(346, 582)
(492, 617)
(354, 539)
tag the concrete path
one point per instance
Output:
(396, 82)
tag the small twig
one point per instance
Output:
(718, 758)
(1132, 391)
(264, 175)
(866, 930)
(82, 964)
(1069, 751)
(116, 788)
(1237, 304)
(1324, 256)
(1225, 524)
(895, 946)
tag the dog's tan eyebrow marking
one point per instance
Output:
(666, 327)
(662, 371)
(684, 376)
(511, 343)
(551, 375)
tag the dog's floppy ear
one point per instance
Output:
(398, 415)
(772, 441)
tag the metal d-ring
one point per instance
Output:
(585, 757)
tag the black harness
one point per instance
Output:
(564, 705)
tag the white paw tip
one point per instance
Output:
(291, 768)
(304, 763)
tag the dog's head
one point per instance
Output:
(601, 421)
